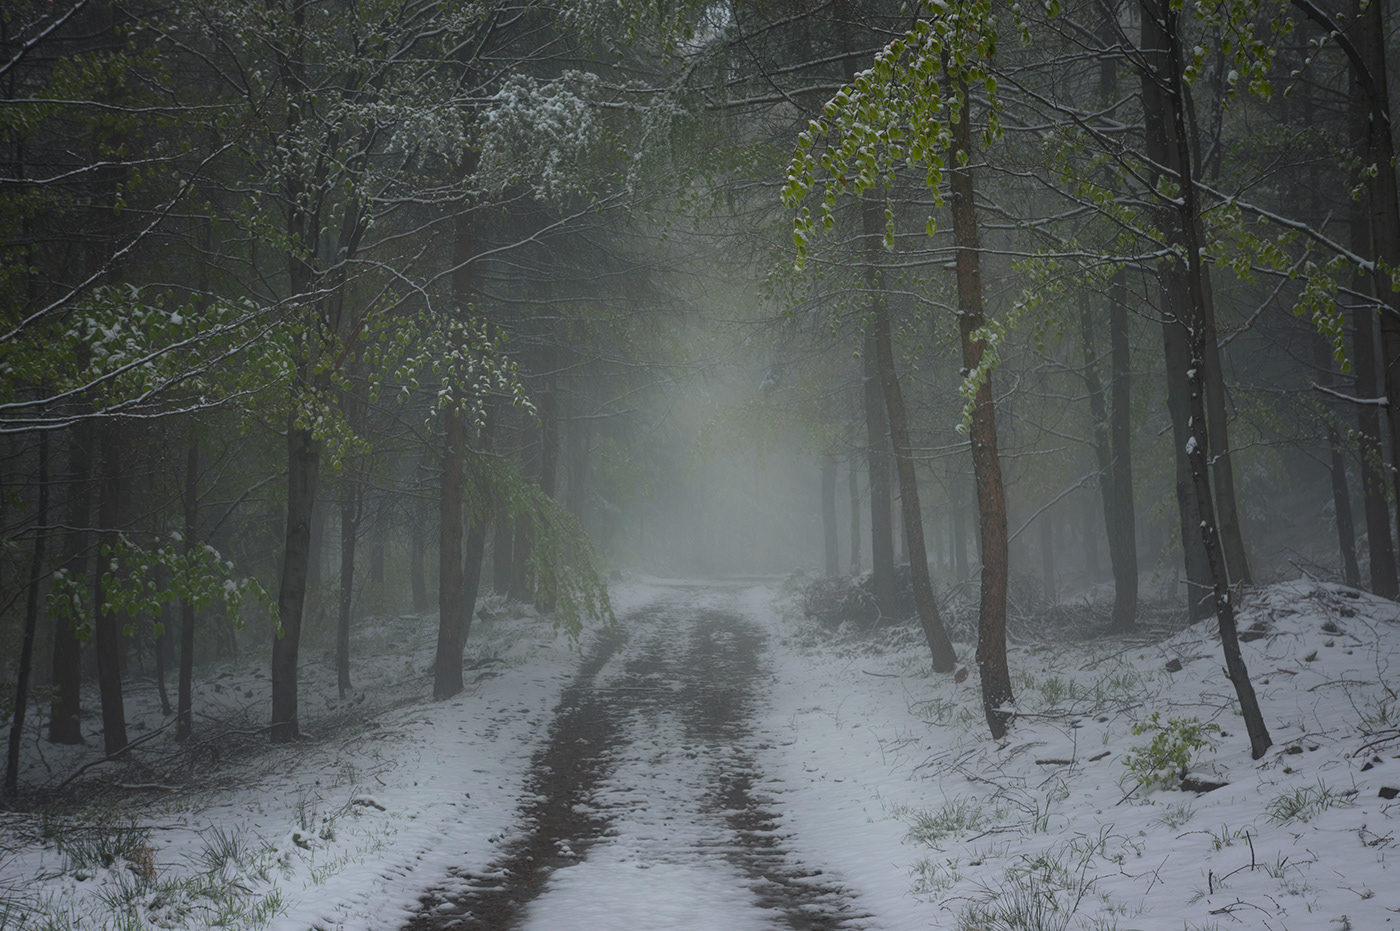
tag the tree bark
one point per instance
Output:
(31, 620)
(833, 556)
(1122, 532)
(349, 533)
(64, 724)
(417, 556)
(880, 328)
(882, 578)
(853, 488)
(1113, 449)
(1176, 311)
(447, 674)
(303, 474)
(1341, 499)
(1222, 469)
(184, 701)
(991, 494)
(1379, 544)
(107, 624)
(1162, 19)
(1371, 110)
(1047, 557)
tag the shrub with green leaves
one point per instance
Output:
(1174, 746)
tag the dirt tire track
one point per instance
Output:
(717, 676)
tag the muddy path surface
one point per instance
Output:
(646, 807)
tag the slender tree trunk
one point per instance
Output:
(1122, 532)
(167, 624)
(303, 474)
(64, 724)
(548, 407)
(853, 488)
(1112, 449)
(31, 620)
(935, 635)
(417, 555)
(1385, 206)
(447, 673)
(1371, 110)
(316, 560)
(878, 475)
(475, 550)
(1222, 469)
(522, 586)
(349, 532)
(1341, 499)
(833, 557)
(991, 495)
(959, 503)
(184, 701)
(1182, 235)
(1380, 547)
(1176, 314)
(1047, 557)
(107, 623)
(502, 551)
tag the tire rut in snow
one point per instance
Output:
(724, 665)
(556, 821)
(710, 687)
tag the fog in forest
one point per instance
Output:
(570, 387)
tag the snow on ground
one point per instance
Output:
(889, 780)
(344, 832)
(880, 775)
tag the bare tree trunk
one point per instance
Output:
(877, 471)
(959, 504)
(417, 555)
(991, 495)
(502, 552)
(833, 557)
(31, 621)
(1222, 469)
(1160, 23)
(349, 531)
(1176, 313)
(935, 635)
(853, 488)
(475, 550)
(316, 560)
(1112, 449)
(64, 724)
(447, 674)
(184, 701)
(1341, 499)
(107, 624)
(1380, 547)
(1122, 532)
(303, 474)
(1047, 557)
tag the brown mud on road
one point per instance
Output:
(700, 671)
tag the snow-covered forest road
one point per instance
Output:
(647, 807)
(723, 762)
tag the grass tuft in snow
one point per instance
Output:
(1044, 892)
(1307, 802)
(928, 826)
